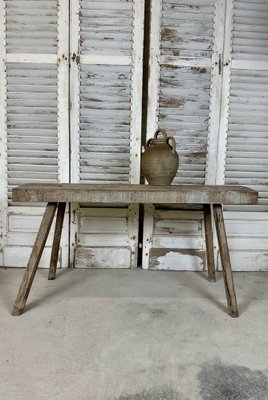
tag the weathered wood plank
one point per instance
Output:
(33, 262)
(209, 243)
(56, 241)
(226, 262)
(130, 193)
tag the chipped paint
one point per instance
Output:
(102, 257)
(174, 259)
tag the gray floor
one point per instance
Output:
(133, 335)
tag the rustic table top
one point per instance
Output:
(130, 193)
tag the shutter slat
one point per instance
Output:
(106, 27)
(32, 128)
(250, 34)
(184, 112)
(187, 28)
(247, 136)
(105, 117)
(186, 32)
(31, 27)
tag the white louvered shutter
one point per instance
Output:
(247, 135)
(35, 115)
(106, 93)
(245, 154)
(184, 64)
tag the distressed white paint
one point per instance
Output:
(176, 229)
(186, 63)
(242, 150)
(176, 261)
(220, 164)
(148, 231)
(255, 65)
(74, 90)
(117, 227)
(23, 225)
(74, 119)
(3, 177)
(31, 27)
(63, 114)
(193, 62)
(247, 260)
(247, 138)
(246, 155)
(32, 58)
(215, 93)
(106, 54)
(102, 257)
(136, 96)
(133, 232)
(37, 100)
(247, 238)
(182, 62)
(250, 56)
(19, 256)
(238, 98)
(104, 60)
(63, 90)
(154, 65)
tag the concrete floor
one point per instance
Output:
(133, 335)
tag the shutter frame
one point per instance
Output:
(94, 63)
(190, 61)
(246, 227)
(237, 80)
(19, 237)
(3, 144)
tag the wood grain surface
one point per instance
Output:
(130, 193)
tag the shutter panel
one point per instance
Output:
(3, 191)
(184, 52)
(105, 31)
(32, 145)
(105, 123)
(247, 135)
(36, 114)
(106, 93)
(181, 101)
(246, 131)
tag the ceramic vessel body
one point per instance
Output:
(160, 160)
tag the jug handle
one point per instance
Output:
(149, 142)
(173, 143)
(160, 130)
(164, 133)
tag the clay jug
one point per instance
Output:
(160, 160)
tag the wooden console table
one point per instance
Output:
(57, 195)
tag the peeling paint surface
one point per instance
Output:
(174, 259)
